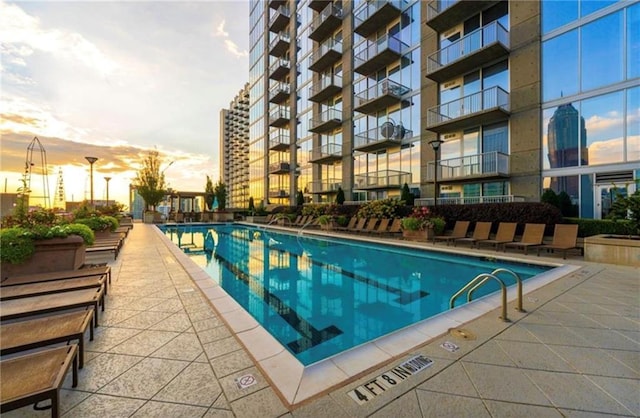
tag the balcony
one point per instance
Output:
(279, 92)
(380, 96)
(279, 68)
(279, 116)
(327, 54)
(377, 54)
(279, 19)
(444, 14)
(327, 186)
(375, 14)
(279, 44)
(326, 154)
(483, 107)
(280, 167)
(384, 179)
(318, 5)
(326, 121)
(279, 140)
(278, 193)
(274, 4)
(327, 21)
(480, 46)
(325, 88)
(468, 200)
(387, 135)
(486, 165)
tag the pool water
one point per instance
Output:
(319, 297)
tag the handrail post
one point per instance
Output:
(519, 285)
(479, 280)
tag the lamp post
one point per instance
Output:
(91, 161)
(107, 180)
(435, 144)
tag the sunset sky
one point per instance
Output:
(113, 80)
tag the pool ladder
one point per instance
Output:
(483, 278)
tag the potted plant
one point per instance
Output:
(325, 222)
(102, 226)
(420, 225)
(221, 214)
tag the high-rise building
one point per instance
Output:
(353, 94)
(234, 149)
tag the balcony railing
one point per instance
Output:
(329, 19)
(384, 179)
(326, 154)
(429, 201)
(279, 44)
(488, 164)
(484, 44)
(370, 56)
(279, 140)
(379, 96)
(279, 68)
(280, 167)
(328, 53)
(444, 14)
(324, 186)
(484, 106)
(274, 4)
(279, 116)
(385, 136)
(279, 19)
(279, 92)
(278, 193)
(326, 121)
(325, 88)
(374, 14)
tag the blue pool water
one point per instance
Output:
(319, 297)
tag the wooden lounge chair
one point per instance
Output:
(36, 377)
(37, 305)
(111, 248)
(371, 225)
(297, 220)
(396, 227)
(459, 231)
(41, 332)
(382, 226)
(359, 225)
(350, 225)
(102, 272)
(565, 238)
(532, 236)
(506, 233)
(481, 232)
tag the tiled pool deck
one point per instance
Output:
(162, 351)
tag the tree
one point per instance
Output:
(299, 198)
(210, 196)
(252, 207)
(340, 196)
(406, 195)
(220, 191)
(149, 181)
(565, 204)
(549, 196)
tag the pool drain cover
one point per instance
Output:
(463, 334)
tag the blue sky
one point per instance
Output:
(115, 79)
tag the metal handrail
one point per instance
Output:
(478, 281)
(518, 282)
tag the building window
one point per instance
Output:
(602, 52)
(560, 66)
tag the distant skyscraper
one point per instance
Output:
(565, 131)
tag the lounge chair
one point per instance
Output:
(565, 238)
(296, 222)
(382, 226)
(459, 231)
(36, 377)
(532, 236)
(481, 232)
(111, 248)
(350, 225)
(359, 225)
(396, 227)
(41, 332)
(506, 233)
(58, 275)
(371, 225)
(37, 305)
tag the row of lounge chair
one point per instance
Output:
(44, 318)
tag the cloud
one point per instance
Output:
(220, 30)
(231, 46)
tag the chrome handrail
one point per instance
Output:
(478, 281)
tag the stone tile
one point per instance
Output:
(231, 363)
(201, 314)
(170, 306)
(154, 409)
(549, 334)
(625, 391)
(231, 389)
(405, 406)
(490, 353)
(218, 413)
(324, 406)
(101, 370)
(111, 317)
(442, 405)
(195, 385)
(510, 409)
(208, 323)
(221, 403)
(631, 359)
(213, 334)
(144, 343)
(145, 379)
(264, 403)
(534, 356)
(607, 339)
(594, 361)
(177, 322)
(108, 337)
(103, 406)
(221, 347)
(183, 347)
(453, 380)
(583, 394)
(517, 332)
(143, 320)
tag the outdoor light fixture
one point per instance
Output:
(91, 161)
(107, 180)
(435, 144)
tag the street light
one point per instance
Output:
(91, 161)
(435, 144)
(107, 180)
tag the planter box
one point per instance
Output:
(424, 235)
(613, 249)
(54, 254)
(148, 217)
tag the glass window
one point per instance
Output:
(590, 6)
(633, 124)
(496, 75)
(633, 41)
(471, 190)
(497, 188)
(586, 196)
(562, 127)
(560, 66)
(601, 58)
(496, 138)
(604, 118)
(556, 13)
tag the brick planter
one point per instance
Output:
(51, 255)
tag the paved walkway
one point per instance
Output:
(161, 351)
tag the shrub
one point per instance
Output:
(589, 227)
(383, 208)
(99, 223)
(340, 196)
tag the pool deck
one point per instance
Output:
(162, 350)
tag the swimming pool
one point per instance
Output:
(321, 296)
